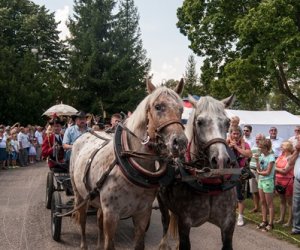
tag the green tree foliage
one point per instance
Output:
(107, 60)
(171, 83)
(91, 55)
(251, 47)
(191, 78)
(131, 65)
(29, 82)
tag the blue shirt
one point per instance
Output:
(264, 162)
(72, 133)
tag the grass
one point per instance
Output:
(280, 232)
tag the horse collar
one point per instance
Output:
(130, 168)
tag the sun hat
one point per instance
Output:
(80, 114)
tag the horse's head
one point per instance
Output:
(164, 112)
(158, 116)
(207, 128)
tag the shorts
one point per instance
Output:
(239, 190)
(253, 182)
(3, 154)
(12, 155)
(266, 185)
(287, 182)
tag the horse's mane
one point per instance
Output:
(206, 104)
(138, 120)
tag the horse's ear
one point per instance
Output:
(192, 100)
(228, 102)
(150, 86)
(179, 88)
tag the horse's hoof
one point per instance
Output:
(83, 247)
(164, 247)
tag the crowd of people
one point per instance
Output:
(21, 146)
(275, 167)
(274, 162)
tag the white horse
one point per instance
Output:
(129, 166)
(199, 200)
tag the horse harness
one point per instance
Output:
(129, 167)
(132, 171)
(203, 179)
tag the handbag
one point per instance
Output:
(280, 188)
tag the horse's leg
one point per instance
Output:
(110, 223)
(184, 235)
(100, 228)
(140, 222)
(80, 214)
(227, 234)
(165, 220)
(82, 221)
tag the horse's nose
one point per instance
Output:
(220, 161)
(179, 144)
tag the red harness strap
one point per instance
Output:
(210, 181)
(188, 157)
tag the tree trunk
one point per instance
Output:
(283, 85)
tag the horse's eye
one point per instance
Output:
(199, 122)
(157, 107)
(227, 123)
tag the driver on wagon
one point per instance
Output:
(73, 132)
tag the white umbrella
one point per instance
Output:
(60, 109)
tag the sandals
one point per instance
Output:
(287, 225)
(262, 225)
(268, 228)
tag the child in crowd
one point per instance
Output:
(234, 123)
(9, 150)
(32, 150)
(15, 150)
(265, 165)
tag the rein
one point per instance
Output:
(94, 192)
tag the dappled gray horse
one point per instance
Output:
(198, 195)
(124, 172)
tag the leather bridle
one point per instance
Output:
(154, 130)
(214, 141)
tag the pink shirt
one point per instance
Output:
(241, 158)
(281, 162)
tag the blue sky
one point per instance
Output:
(166, 46)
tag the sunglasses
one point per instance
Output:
(297, 130)
(246, 130)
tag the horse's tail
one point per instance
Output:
(79, 215)
(173, 226)
(76, 217)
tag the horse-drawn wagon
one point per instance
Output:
(58, 181)
(120, 177)
(100, 168)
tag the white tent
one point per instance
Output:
(261, 121)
